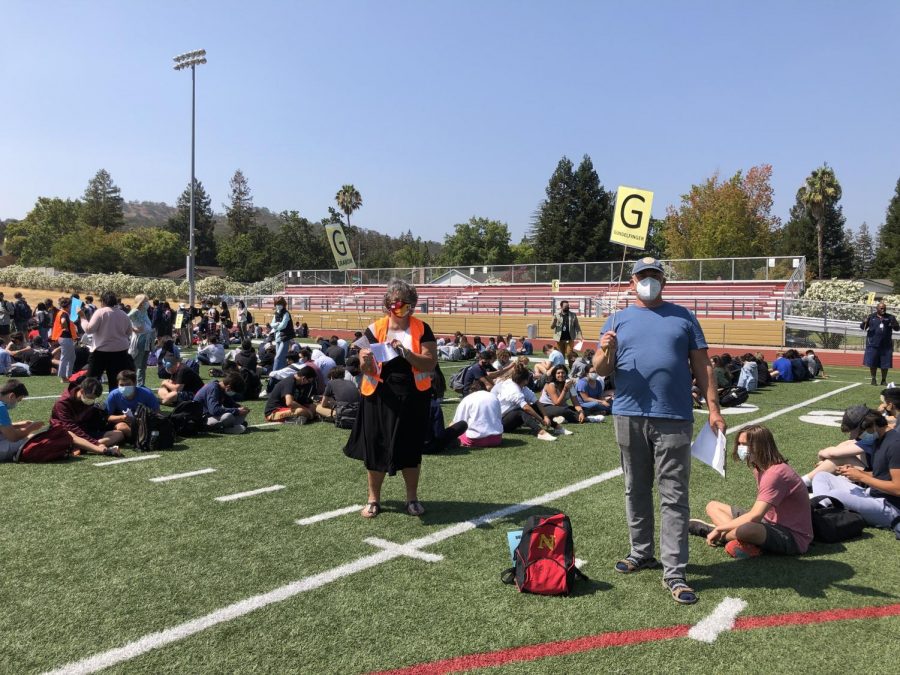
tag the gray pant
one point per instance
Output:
(651, 444)
(876, 511)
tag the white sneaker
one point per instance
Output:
(596, 419)
(562, 431)
(559, 419)
(544, 436)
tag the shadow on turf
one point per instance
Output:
(808, 576)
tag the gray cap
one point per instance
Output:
(853, 417)
(647, 264)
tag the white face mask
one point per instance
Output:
(743, 452)
(648, 289)
(593, 376)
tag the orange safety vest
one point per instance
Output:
(58, 329)
(379, 330)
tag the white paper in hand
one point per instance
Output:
(578, 345)
(383, 352)
(362, 343)
(709, 448)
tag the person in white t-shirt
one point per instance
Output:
(213, 354)
(519, 406)
(480, 410)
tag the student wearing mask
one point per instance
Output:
(219, 407)
(213, 354)
(338, 391)
(890, 404)
(77, 412)
(779, 520)
(291, 399)
(13, 435)
(182, 384)
(519, 406)
(122, 403)
(589, 391)
(857, 451)
(283, 329)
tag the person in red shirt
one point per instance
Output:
(779, 521)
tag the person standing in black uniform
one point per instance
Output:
(879, 327)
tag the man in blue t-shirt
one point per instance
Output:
(122, 402)
(654, 348)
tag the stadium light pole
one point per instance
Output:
(191, 60)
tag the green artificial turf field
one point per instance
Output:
(96, 558)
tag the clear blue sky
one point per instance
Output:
(438, 111)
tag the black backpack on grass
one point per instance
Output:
(152, 430)
(345, 413)
(834, 523)
(187, 418)
(733, 396)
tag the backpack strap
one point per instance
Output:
(816, 502)
(579, 574)
(508, 576)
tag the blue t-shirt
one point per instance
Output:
(4, 415)
(116, 403)
(784, 368)
(594, 389)
(653, 375)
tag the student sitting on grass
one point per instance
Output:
(76, 412)
(557, 394)
(480, 410)
(856, 451)
(890, 405)
(218, 406)
(182, 385)
(122, 403)
(878, 502)
(519, 406)
(13, 435)
(589, 391)
(779, 520)
(291, 399)
(339, 390)
(749, 375)
(213, 354)
(781, 369)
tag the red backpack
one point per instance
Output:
(545, 557)
(47, 446)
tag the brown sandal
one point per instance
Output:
(371, 510)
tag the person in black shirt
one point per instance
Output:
(480, 370)
(182, 385)
(335, 351)
(338, 390)
(246, 357)
(291, 399)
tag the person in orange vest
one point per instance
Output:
(393, 421)
(64, 333)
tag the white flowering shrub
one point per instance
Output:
(834, 299)
(268, 286)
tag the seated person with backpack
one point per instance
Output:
(213, 354)
(122, 403)
(878, 502)
(13, 435)
(183, 382)
(779, 520)
(482, 370)
(341, 395)
(218, 406)
(291, 398)
(76, 412)
(480, 410)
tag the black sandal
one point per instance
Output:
(415, 508)
(631, 564)
(681, 592)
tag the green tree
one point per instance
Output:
(31, 239)
(247, 256)
(555, 219)
(299, 244)
(151, 251)
(411, 252)
(204, 223)
(481, 241)
(523, 252)
(348, 200)
(863, 251)
(799, 237)
(592, 214)
(239, 212)
(103, 205)
(87, 249)
(820, 191)
(887, 249)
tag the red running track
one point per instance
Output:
(633, 637)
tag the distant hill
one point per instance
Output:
(155, 214)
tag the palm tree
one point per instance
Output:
(820, 191)
(348, 200)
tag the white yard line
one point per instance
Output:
(309, 520)
(139, 458)
(177, 476)
(250, 493)
(266, 424)
(783, 411)
(401, 549)
(720, 621)
(238, 609)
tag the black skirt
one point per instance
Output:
(392, 425)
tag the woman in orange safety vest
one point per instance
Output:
(392, 425)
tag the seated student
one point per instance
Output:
(813, 364)
(182, 384)
(449, 351)
(324, 363)
(525, 347)
(291, 399)
(519, 406)
(763, 372)
(13, 435)
(779, 520)
(18, 348)
(879, 501)
(589, 390)
(335, 352)
(245, 357)
(6, 359)
(480, 410)
(213, 354)
(87, 424)
(477, 344)
(798, 366)
(853, 452)
(748, 378)
(266, 356)
(122, 403)
(511, 344)
(218, 406)
(480, 370)
(554, 397)
(354, 372)
(890, 405)
(503, 363)
(542, 368)
(732, 368)
(338, 390)
(557, 358)
(293, 366)
(723, 381)
(578, 367)
(781, 369)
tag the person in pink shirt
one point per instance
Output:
(110, 331)
(779, 521)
